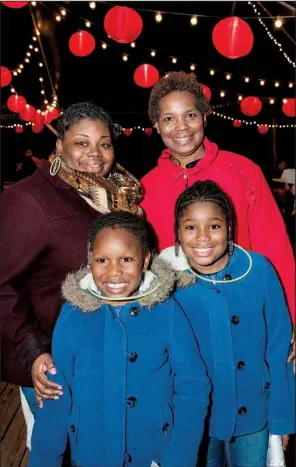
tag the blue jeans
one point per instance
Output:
(241, 451)
(30, 396)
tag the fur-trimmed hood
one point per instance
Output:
(83, 299)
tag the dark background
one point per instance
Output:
(104, 78)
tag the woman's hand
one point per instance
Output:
(285, 441)
(44, 388)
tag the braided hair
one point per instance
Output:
(132, 223)
(85, 111)
(205, 192)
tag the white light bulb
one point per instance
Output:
(92, 5)
(174, 60)
(247, 79)
(278, 23)
(262, 82)
(212, 72)
(192, 67)
(228, 76)
(194, 20)
(125, 58)
(133, 45)
(152, 53)
(158, 17)
(87, 24)
(104, 46)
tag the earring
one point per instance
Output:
(55, 166)
(176, 248)
(230, 247)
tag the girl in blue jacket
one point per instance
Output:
(237, 309)
(135, 389)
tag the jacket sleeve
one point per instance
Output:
(281, 409)
(191, 395)
(23, 239)
(50, 432)
(269, 237)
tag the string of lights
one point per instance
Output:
(15, 125)
(159, 14)
(278, 24)
(253, 122)
(63, 12)
(31, 49)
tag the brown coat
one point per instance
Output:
(43, 237)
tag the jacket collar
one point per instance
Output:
(86, 301)
(211, 152)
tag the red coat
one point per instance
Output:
(43, 236)
(260, 226)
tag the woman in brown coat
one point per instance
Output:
(45, 223)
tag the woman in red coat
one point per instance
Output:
(45, 223)
(179, 110)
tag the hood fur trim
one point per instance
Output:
(72, 292)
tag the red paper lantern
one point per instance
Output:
(146, 76)
(82, 43)
(123, 24)
(127, 131)
(289, 107)
(233, 37)
(237, 123)
(207, 92)
(263, 129)
(38, 119)
(37, 128)
(19, 129)
(54, 113)
(47, 118)
(5, 76)
(28, 113)
(16, 103)
(15, 4)
(251, 106)
(148, 131)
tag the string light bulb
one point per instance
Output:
(212, 72)
(262, 82)
(222, 94)
(192, 67)
(12, 90)
(27, 60)
(34, 38)
(104, 45)
(247, 79)
(21, 66)
(271, 101)
(87, 24)
(240, 98)
(28, 54)
(31, 46)
(63, 12)
(174, 60)
(41, 79)
(152, 53)
(133, 45)
(40, 64)
(92, 5)
(158, 17)
(58, 18)
(228, 76)
(291, 85)
(124, 57)
(285, 101)
(33, 3)
(15, 73)
(276, 84)
(36, 49)
(193, 20)
(278, 23)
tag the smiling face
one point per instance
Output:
(87, 147)
(181, 126)
(118, 260)
(203, 236)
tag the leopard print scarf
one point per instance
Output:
(120, 191)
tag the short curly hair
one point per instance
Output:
(85, 111)
(176, 81)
